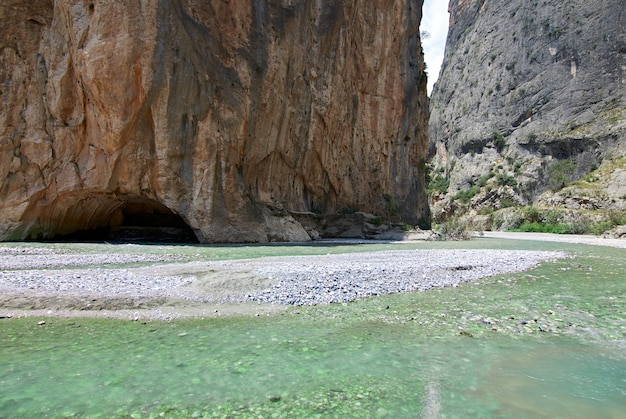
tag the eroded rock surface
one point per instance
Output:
(228, 114)
(531, 96)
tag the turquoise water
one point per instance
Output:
(104, 369)
(564, 381)
(548, 343)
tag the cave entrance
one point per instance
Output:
(144, 220)
(130, 220)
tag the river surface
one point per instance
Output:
(546, 343)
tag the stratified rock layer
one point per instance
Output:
(232, 115)
(531, 96)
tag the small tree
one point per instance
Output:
(498, 141)
(560, 173)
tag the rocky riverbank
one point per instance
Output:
(41, 281)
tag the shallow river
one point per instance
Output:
(545, 343)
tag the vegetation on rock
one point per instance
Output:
(519, 117)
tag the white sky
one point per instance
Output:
(435, 22)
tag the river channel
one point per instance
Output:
(545, 343)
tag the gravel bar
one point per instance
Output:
(12, 259)
(349, 277)
(296, 280)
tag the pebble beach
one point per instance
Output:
(62, 278)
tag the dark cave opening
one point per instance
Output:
(137, 220)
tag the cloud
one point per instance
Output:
(435, 22)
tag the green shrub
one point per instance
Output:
(453, 229)
(532, 215)
(617, 218)
(600, 227)
(498, 141)
(439, 184)
(536, 227)
(555, 221)
(534, 220)
(482, 181)
(467, 195)
(552, 217)
(560, 173)
(580, 226)
(506, 180)
(533, 227)
(507, 203)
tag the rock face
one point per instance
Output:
(231, 116)
(531, 96)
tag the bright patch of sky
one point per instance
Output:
(435, 23)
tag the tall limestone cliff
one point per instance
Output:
(231, 117)
(531, 97)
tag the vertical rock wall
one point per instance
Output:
(232, 114)
(527, 88)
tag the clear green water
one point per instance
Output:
(546, 343)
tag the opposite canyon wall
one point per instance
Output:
(531, 96)
(233, 115)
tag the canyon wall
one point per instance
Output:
(236, 116)
(531, 97)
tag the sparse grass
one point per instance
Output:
(614, 115)
(595, 181)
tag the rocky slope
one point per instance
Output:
(230, 117)
(531, 97)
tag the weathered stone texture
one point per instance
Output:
(231, 114)
(525, 85)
